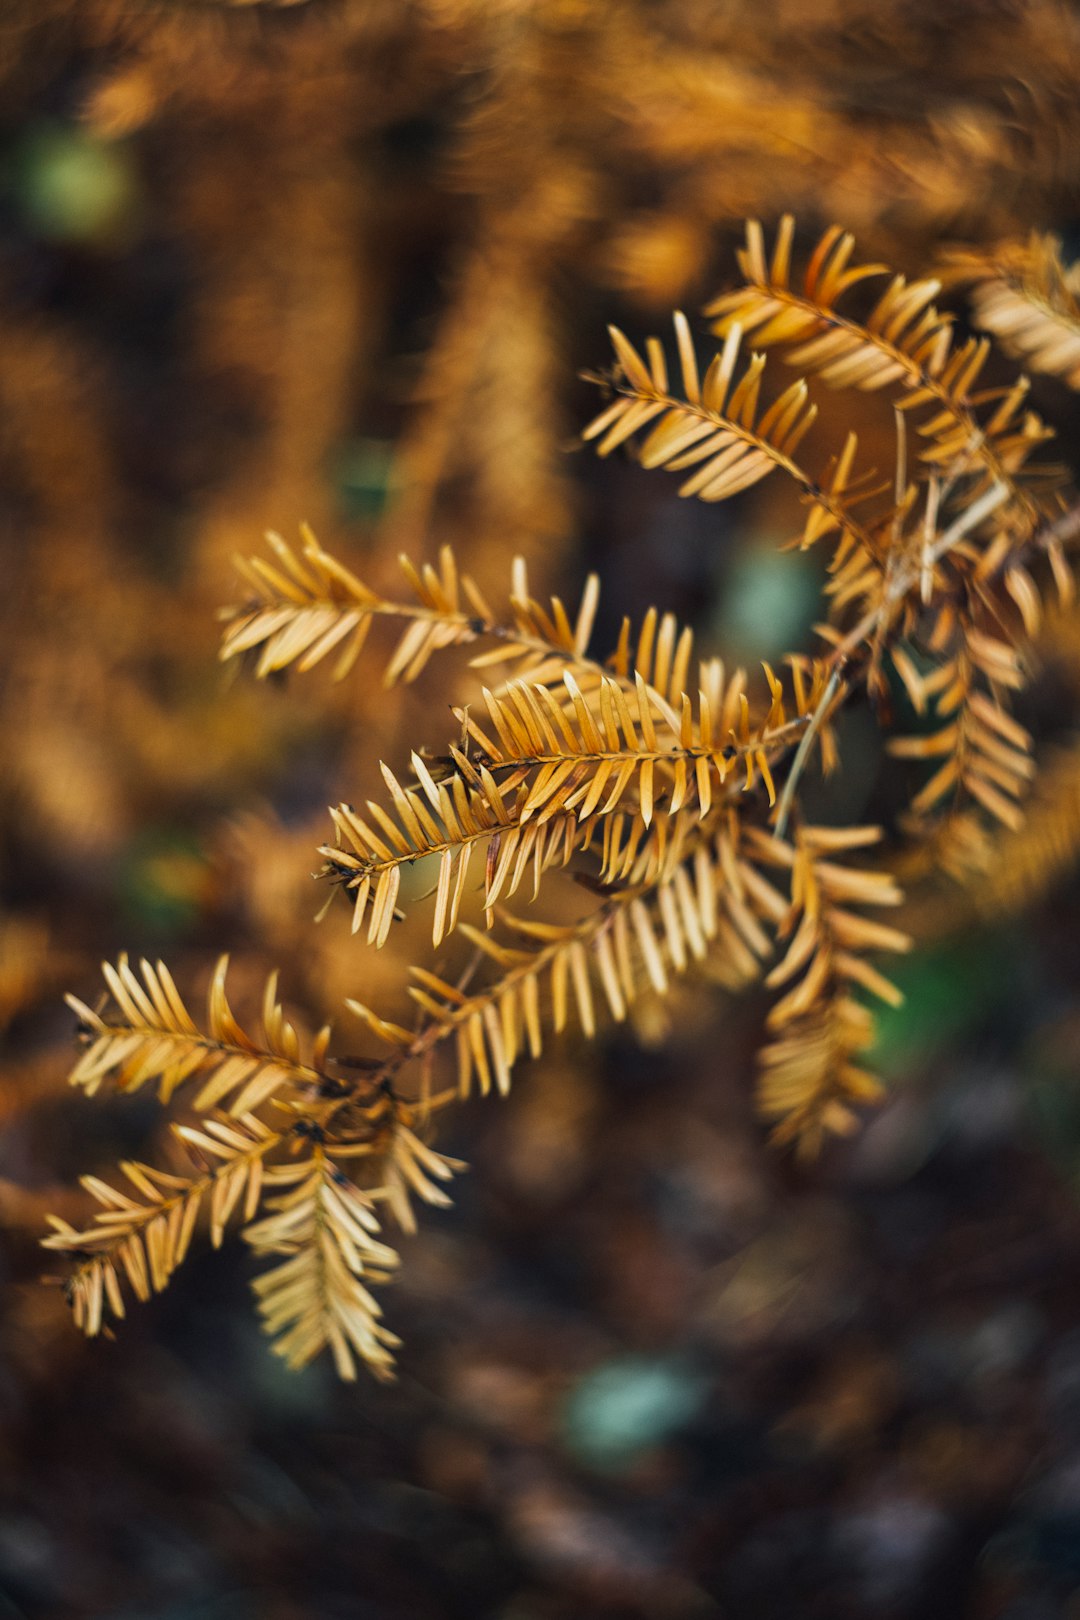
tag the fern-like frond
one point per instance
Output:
(152, 1037)
(573, 761)
(711, 906)
(542, 641)
(904, 343)
(984, 753)
(535, 783)
(446, 820)
(314, 1299)
(144, 1238)
(1043, 852)
(311, 601)
(1024, 295)
(719, 427)
(904, 339)
(406, 1167)
(308, 604)
(716, 428)
(810, 1080)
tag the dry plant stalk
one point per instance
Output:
(667, 786)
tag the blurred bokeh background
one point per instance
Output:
(342, 260)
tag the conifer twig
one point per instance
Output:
(802, 753)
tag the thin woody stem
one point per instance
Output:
(802, 753)
(909, 576)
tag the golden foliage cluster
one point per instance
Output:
(1023, 294)
(352, 252)
(668, 790)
